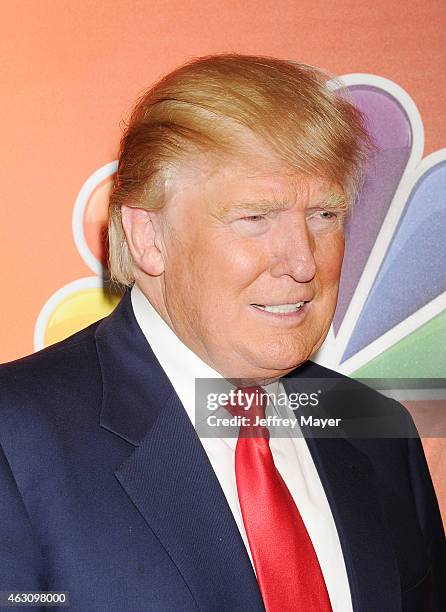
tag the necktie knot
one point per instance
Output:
(249, 405)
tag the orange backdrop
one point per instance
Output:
(70, 70)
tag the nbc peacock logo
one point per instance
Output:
(391, 316)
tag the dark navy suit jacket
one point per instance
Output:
(107, 492)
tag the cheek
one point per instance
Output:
(230, 264)
(205, 281)
(329, 256)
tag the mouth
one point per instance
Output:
(283, 310)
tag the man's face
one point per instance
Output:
(252, 257)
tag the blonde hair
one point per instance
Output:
(201, 106)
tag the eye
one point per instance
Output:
(327, 214)
(321, 220)
(253, 218)
(252, 225)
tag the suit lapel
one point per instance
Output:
(349, 482)
(168, 476)
(172, 483)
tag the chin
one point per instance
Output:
(280, 364)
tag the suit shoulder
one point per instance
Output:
(50, 406)
(50, 357)
(356, 399)
(52, 380)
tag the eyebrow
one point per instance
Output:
(260, 206)
(334, 201)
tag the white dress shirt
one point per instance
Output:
(291, 454)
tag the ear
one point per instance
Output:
(143, 239)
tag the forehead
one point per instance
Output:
(221, 181)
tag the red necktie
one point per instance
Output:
(288, 571)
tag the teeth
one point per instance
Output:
(281, 308)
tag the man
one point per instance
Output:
(226, 220)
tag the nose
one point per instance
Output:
(295, 252)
